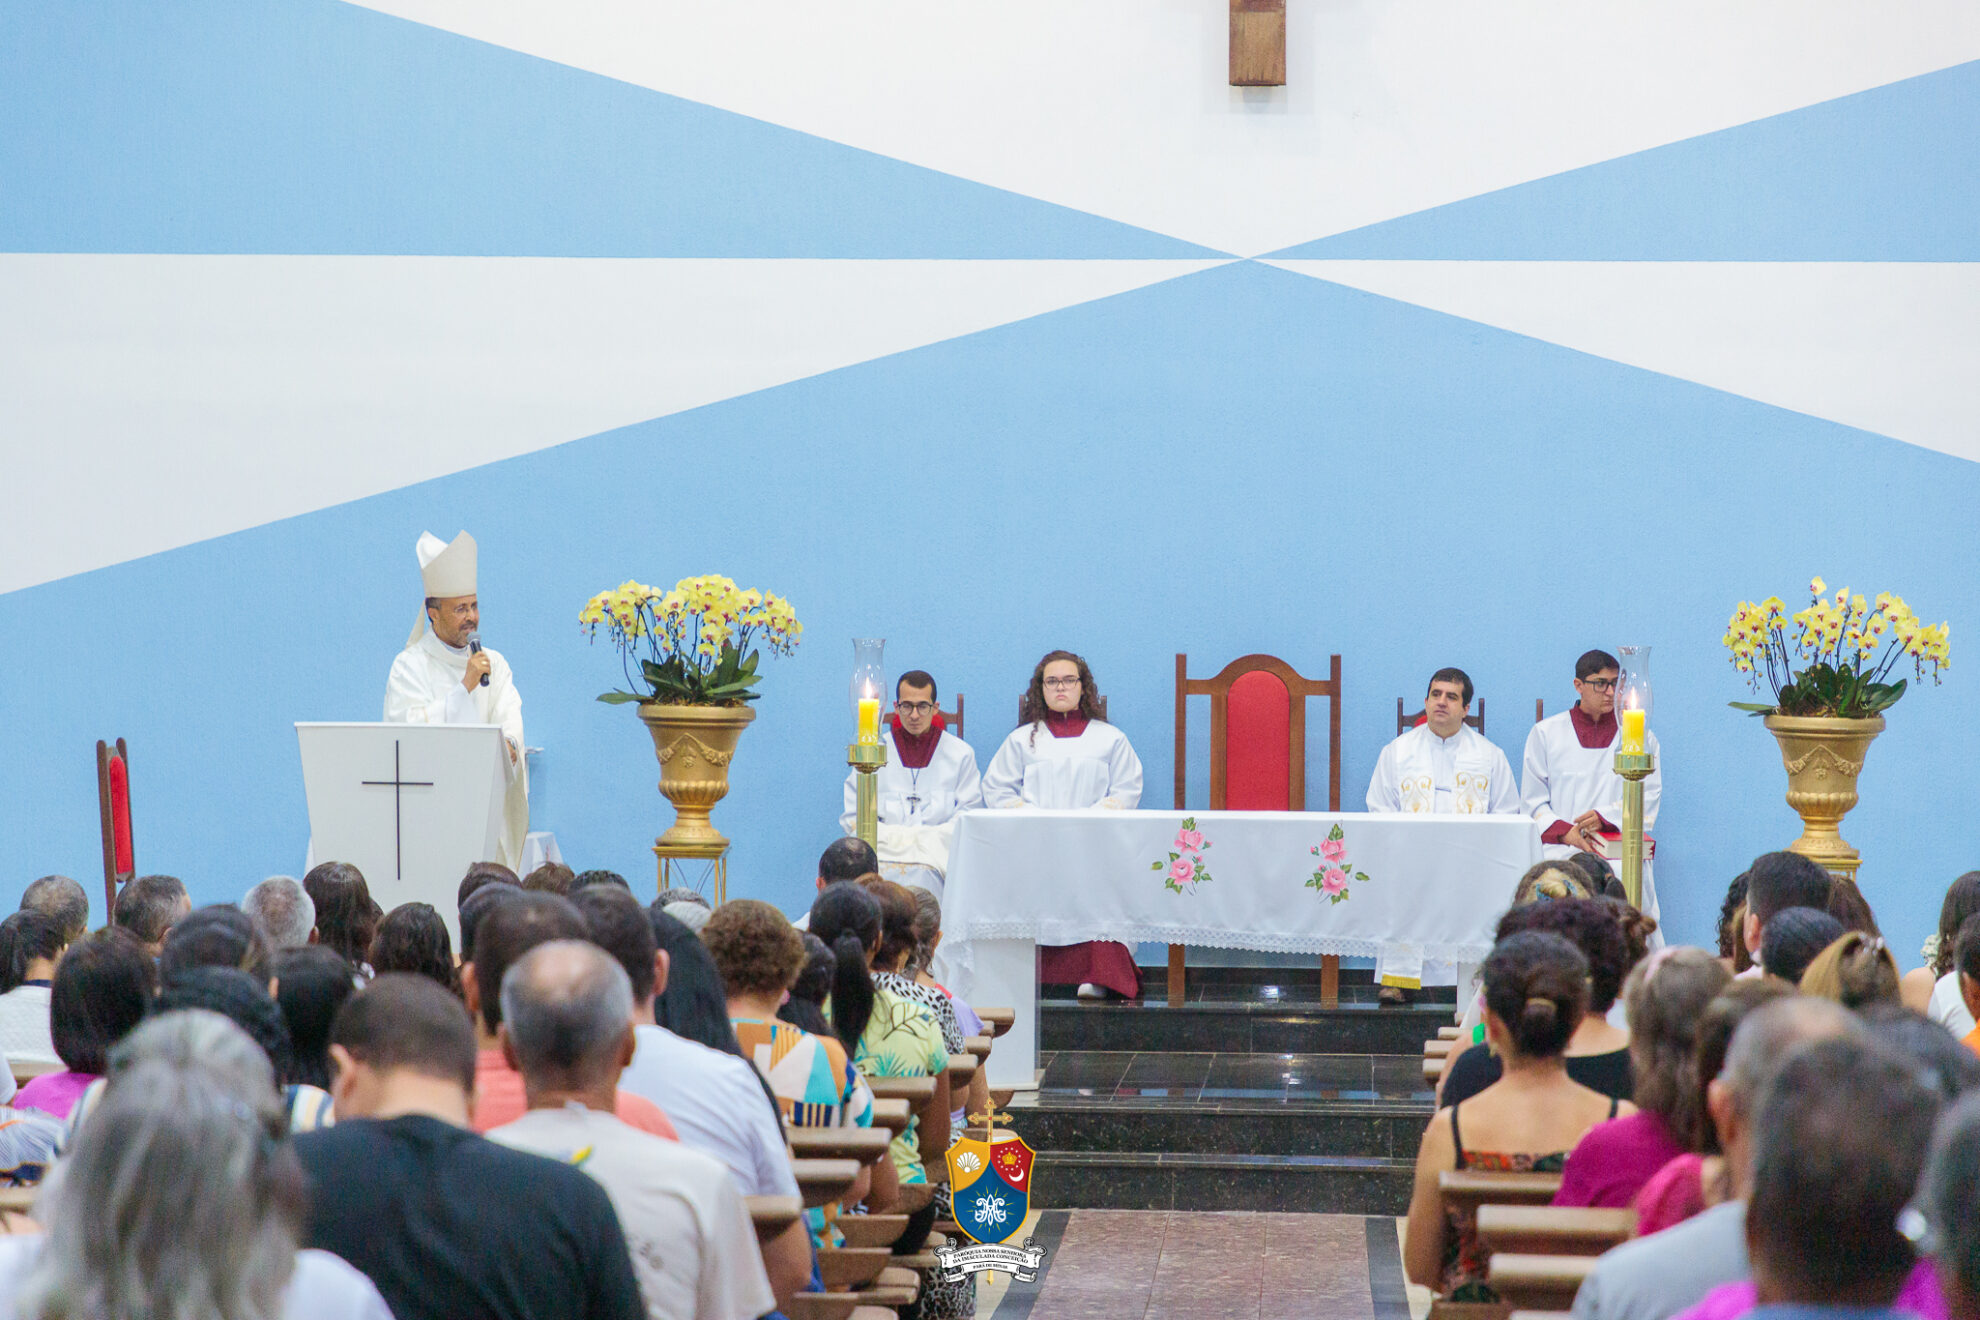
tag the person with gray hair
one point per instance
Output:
(1652, 1278)
(284, 911)
(567, 1027)
(62, 899)
(180, 1198)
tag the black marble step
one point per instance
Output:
(1239, 1104)
(1335, 1185)
(1251, 1026)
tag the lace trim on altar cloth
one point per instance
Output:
(1045, 932)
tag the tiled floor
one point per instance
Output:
(1211, 1078)
(1151, 1265)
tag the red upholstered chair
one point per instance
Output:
(1258, 752)
(1404, 723)
(113, 797)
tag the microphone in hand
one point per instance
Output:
(474, 648)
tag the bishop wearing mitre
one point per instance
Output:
(445, 676)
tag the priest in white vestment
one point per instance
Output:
(1569, 782)
(1063, 755)
(930, 777)
(1443, 765)
(445, 676)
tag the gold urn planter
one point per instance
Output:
(1823, 756)
(695, 745)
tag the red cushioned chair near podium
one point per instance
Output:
(1258, 754)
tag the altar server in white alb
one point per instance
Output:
(1569, 782)
(930, 777)
(1064, 755)
(446, 676)
(1442, 766)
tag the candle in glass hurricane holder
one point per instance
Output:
(1633, 761)
(867, 753)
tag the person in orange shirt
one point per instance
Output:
(516, 922)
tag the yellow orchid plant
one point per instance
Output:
(697, 640)
(1846, 646)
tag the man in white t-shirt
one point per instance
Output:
(566, 1026)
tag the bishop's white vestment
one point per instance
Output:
(1570, 768)
(918, 806)
(426, 687)
(1422, 773)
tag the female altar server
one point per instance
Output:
(1064, 755)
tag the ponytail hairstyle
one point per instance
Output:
(805, 1008)
(1536, 983)
(1855, 971)
(847, 919)
(927, 929)
(1667, 996)
(25, 936)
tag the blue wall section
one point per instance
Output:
(1885, 175)
(1131, 477)
(310, 126)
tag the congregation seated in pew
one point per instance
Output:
(1536, 992)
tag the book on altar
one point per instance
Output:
(1608, 845)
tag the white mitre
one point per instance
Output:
(446, 568)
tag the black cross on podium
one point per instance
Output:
(395, 783)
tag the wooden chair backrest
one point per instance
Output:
(1553, 1230)
(954, 719)
(1540, 1283)
(1471, 1188)
(1269, 690)
(1406, 722)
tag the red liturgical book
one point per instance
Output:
(1608, 845)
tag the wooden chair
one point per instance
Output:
(1258, 710)
(917, 1091)
(1404, 723)
(113, 801)
(999, 1020)
(1553, 1230)
(866, 1145)
(771, 1215)
(1538, 1283)
(978, 1046)
(822, 1182)
(962, 1067)
(844, 1268)
(893, 1115)
(1463, 1189)
(954, 720)
(871, 1230)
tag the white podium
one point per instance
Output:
(410, 805)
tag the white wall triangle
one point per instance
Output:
(310, 381)
(1886, 346)
(1121, 107)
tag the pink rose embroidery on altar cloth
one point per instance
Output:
(1184, 868)
(1331, 876)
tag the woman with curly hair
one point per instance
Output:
(413, 938)
(1064, 754)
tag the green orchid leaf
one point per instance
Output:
(619, 698)
(1754, 707)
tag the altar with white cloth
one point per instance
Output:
(1349, 883)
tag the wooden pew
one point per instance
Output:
(962, 1067)
(893, 1115)
(999, 1020)
(771, 1215)
(1447, 1033)
(838, 1143)
(1540, 1283)
(26, 1071)
(846, 1269)
(917, 1091)
(978, 1046)
(1471, 1188)
(822, 1182)
(1539, 1315)
(835, 1306)
(871, 1230)
(1437, 1049)
(1548, 1230)
(1433, 1069)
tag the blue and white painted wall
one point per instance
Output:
(1499, 333)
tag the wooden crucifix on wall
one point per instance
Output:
(1258, 43)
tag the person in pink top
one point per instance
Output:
(102, 988)
(1666, 994)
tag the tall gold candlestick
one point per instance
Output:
(866, 758)
(1634, 767)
